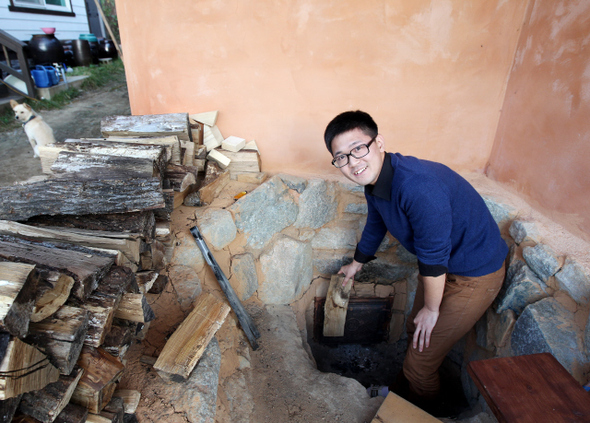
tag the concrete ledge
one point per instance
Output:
(73, 82)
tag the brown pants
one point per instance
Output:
(465, 300)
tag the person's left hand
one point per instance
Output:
(425, 321)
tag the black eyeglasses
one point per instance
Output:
(357, 152)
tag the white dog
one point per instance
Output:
(37, 130)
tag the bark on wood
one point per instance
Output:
(119, 338)
(8, 407)
(130, 399)
(114, 410)
(129, 247)
(159, 285)
(147, 126)
(187, 344)
(23, 369)
(102, 312)
(61, 336)
(47, 403)
(134, 224)
(86, 269)
(146, 280)
(175, 175)
(18, 287)
(97, 385)
(83, 166)
(53, 291)
(334, 313)
(49, 153)
(72, 413)
(154, 257)
(170, 143)
(59, 196)
(135, 307)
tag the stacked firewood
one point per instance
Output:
(78, 252)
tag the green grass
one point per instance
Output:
(98, 76)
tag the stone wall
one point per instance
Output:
(286, 237)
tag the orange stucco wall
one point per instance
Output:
(542, 145)
(432, 73)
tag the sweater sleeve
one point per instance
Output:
(428, 208)
(372, 236)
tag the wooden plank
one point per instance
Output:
(335, 312)
(53, 291)
(127, 246)
(86, 269)
(18, 286)
(47, 403)
(61, 336)
(187, 344)
(134, 307)
(530, 389)
(395, 409)
(160, 125)
(56, 196)
(206, 118)
(23, 368)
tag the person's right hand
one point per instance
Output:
(349, 271)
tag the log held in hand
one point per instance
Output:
(243, 317)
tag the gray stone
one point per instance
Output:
(587, 337)
(352, 187)
(500, 212)
(187, 253)
(265, 211)
(286, 271)
(217, 227)
(317, 205)
(383, 272)
(573, 279)
(481, 333)
(186, 283)
(521, 231)
(387, 243)
(547, 326)
(357, 208)
(328, 263)
(500, 327)
(294, 182)
(523, 288)
(542, 260)
(405, 256)
(193, 200)
(338, 238)
(244, 279)
(412, 285)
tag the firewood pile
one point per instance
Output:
(80, 249)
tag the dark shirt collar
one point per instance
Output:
(382, 187)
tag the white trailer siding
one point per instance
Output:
(24, 25)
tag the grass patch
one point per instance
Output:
(98, 76)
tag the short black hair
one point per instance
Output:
(349, 121)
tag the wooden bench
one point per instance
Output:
(532, 388)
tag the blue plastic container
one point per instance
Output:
(40, 77)
(52, 75)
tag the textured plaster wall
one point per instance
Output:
(542, 145)
(432, 73)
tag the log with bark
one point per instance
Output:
(147, 126)
(18, 289)
(52, 292)
(134, 307)
(62, 196)
(72, 413)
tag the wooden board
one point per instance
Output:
(57, 196)
(187, 344)
(147, 125)
(334, 315)
(530, 389)
(395, 409)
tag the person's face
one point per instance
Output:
(363, 171)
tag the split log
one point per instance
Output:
(58, 196)
(206, 118)
(18, 286)
(135, 307)
(8, 407)
(187, 344)
(156, 153)
(209, 192)
(130, 399)
(102, 312)
(222, 160)
(159, 285)
(83, 166)
(23, 368)
(180, 177)
(87, 238)
(176, 124)
(47, 403)
(146, 280)
(115, 409)
(212, 137)
(61, 336)
(119, 338)
(335, 309)
(86, 269)
(154, 257)
(188, 152)
(72, 413)
(170, 143)
(133, 225)
(97, 385)
(53, 291)
(243, 161)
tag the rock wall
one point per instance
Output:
(286, 237)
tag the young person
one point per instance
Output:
(436, 215)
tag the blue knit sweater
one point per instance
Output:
(435, 214)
